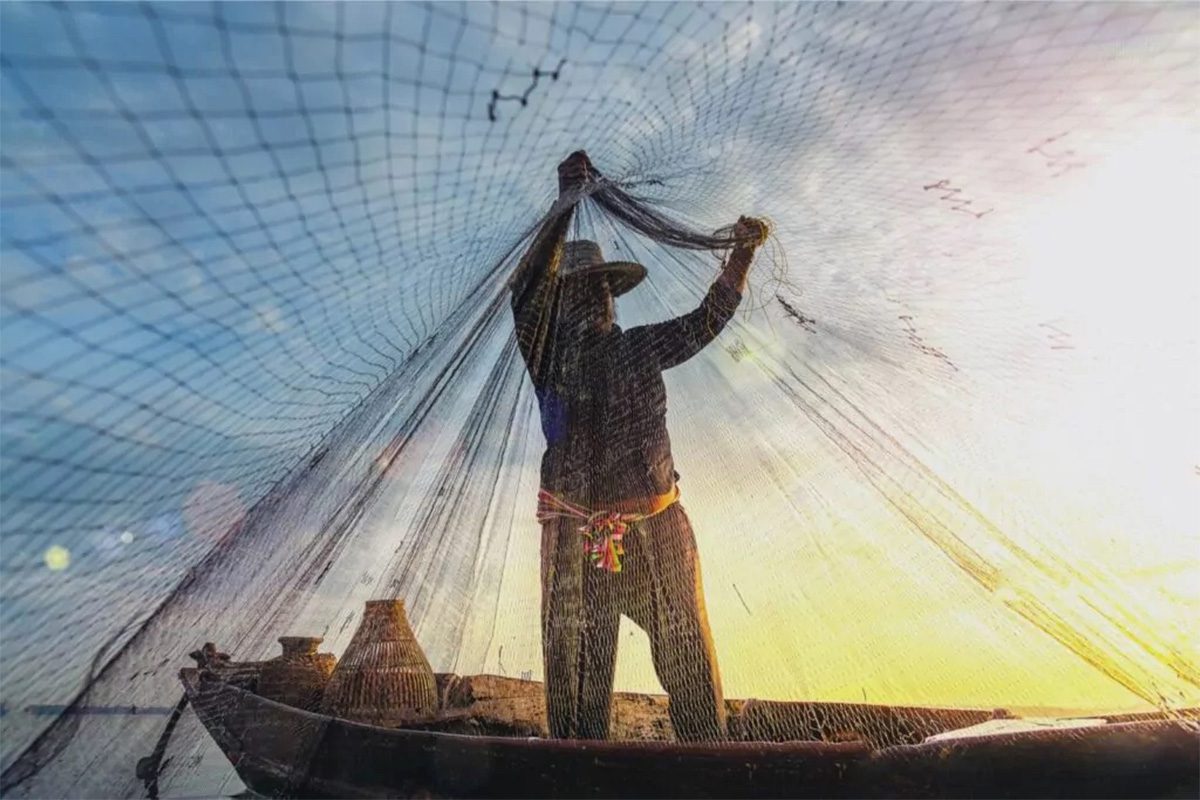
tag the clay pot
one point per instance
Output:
(383, 677)
(299, 676)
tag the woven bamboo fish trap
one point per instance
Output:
(384, 677)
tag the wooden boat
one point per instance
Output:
(280, 751)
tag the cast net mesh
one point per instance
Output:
(259, 364)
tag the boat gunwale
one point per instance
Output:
(193, 677)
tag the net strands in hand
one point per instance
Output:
(259, 363)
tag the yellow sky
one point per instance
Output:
(846, 598)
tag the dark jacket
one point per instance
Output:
(602, 398)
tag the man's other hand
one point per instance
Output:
(750, 233)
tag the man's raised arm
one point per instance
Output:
(534, 283)
(676, 340)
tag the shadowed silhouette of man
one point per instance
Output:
(615, 539)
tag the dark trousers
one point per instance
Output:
(659, 589)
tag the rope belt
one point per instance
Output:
(604, 530)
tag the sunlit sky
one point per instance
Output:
(1024, 384)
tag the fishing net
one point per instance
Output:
(259, 361)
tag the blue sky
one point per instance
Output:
(208, 276)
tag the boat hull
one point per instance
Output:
(280, 751)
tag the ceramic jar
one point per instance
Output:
(299, 676)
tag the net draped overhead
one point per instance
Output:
(259, 363)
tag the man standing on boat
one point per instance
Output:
(615, 539)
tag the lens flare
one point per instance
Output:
(57, 557)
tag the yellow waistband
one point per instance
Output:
(642, 506)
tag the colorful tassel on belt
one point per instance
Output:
(603, 531)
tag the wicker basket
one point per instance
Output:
(383, 678)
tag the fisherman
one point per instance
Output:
(615, 539)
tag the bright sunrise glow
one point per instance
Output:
(1098, 257)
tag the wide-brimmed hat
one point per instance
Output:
(582, 259)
